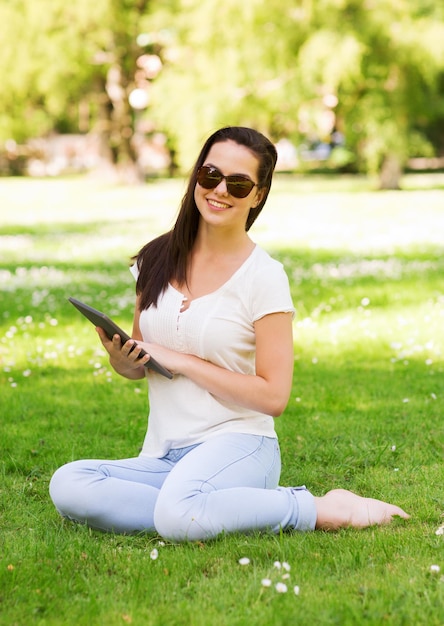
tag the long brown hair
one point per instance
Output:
(165, 258)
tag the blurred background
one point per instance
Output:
(130, 89)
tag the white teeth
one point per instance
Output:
(219, 204)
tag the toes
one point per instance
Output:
(400, 513)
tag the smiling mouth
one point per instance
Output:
(218, 205)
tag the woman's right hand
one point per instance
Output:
(125, 359)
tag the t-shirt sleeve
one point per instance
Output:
(271, 293)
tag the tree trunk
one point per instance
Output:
(115, 131)
(391, 172)
(121, 139)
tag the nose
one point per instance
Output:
(221, 187)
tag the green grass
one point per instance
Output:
(366, 409)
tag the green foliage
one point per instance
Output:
(62, 61)
(276, 66)
(365, 410)
(399, 74)
(46, 62)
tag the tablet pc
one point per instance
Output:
(103, 321)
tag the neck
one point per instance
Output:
(214, 241)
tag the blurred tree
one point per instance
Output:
(76, 64)
(382, 60)
(229, 63)
(45, 62)
(371, 70)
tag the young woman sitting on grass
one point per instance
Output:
(215, 309)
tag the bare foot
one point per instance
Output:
(340, 508)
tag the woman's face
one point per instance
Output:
(217, 206)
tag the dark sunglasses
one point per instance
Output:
(238, 185)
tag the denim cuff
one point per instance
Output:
(305, 510)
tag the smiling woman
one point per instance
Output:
(231, 195)
(214, 309)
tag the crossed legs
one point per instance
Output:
(228, 484)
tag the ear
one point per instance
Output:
(258, 199)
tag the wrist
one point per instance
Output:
(135, 372)
(184, 364)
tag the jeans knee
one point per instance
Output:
(167, 521)
(66, 490)
(59, 488)
(176, 520)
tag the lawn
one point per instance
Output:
(366, 411)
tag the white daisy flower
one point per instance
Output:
(286, 566)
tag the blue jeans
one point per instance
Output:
(226, 484)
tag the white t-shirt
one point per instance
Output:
(218, 327)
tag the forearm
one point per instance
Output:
(250, 391)
(266, 391)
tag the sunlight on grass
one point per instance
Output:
(116, 221)
(363, 221)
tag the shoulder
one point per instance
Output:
(265, 267)
(264, 257)
(267, 288)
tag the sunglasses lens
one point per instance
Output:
(237, 185)
(209, 177)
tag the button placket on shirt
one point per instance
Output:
(180, 336)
